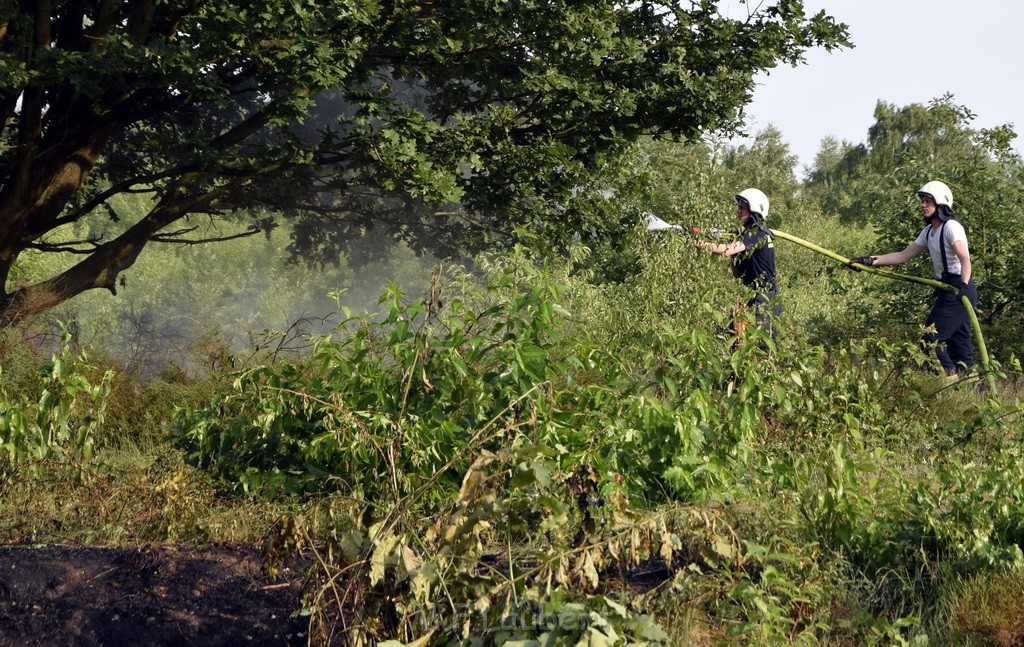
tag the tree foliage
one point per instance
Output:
(347, 115)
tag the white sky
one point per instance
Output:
(906, 51)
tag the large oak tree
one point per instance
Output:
(345, 115)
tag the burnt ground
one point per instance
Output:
(151, 595)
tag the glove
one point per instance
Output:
(863, 260)
(694, 231)
(964, 291)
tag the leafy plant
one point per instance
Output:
(63, 423)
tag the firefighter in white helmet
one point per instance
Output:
(753, 257)
(946, 241)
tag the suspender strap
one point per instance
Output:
(942, 248)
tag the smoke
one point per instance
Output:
(214, 307)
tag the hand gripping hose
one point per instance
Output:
(979, 339)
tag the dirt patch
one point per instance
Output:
(152, 595)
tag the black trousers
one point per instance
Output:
(952, 337)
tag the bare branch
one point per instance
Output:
(101, 198)
(70, 247)
(170, 237)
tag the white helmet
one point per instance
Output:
(937, 191)
(756, 200)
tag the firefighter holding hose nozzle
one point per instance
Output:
(753, 257)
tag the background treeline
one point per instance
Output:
(524, 448)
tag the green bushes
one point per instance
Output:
(382, 406)
(62, 422)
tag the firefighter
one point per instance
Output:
(753, 257)
(946, 241)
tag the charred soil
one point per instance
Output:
(150, 595)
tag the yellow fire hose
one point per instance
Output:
(982, 349)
